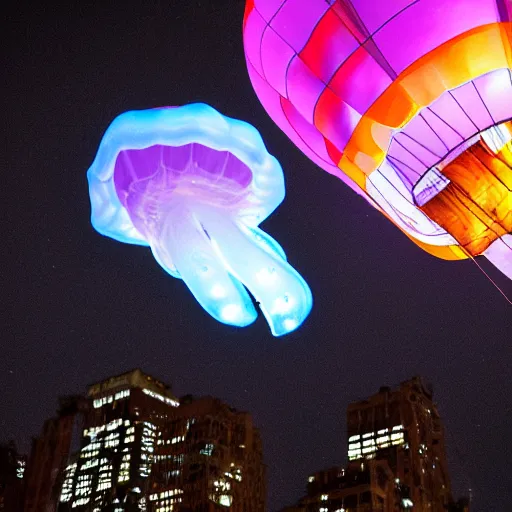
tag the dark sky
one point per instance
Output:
(78, 307)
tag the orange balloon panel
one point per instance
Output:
(476, 206)
(459, 60)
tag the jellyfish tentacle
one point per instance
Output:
(183, 250)
(285, 298)
(264, 240)
(164, 260)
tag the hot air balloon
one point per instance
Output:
(194, 185)
(408, 102)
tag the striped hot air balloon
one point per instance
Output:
(409, 102)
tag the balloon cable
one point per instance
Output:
(491, 280)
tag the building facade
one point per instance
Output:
(360, 487)
(397, 459)
(50, 454)
(12, 477)
(403, 427)
(209, 457)
(111, 469)
(139, 449)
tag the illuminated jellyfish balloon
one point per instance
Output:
(194, 186)
(408, 102)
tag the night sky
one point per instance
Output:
(78, 307)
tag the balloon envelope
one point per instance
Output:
(407, 102)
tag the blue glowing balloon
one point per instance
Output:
(194, 185)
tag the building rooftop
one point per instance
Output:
(135, 378)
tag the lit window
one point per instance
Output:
(67, 487)
(122, 394)
(80, 501)
(124, 469)
(114, 424)
(372, 441)
(166, 400)
(207, 450)
(225, 500)
(98, 402)
(20, 468)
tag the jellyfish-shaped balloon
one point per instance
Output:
(408, 102)
(194, 185)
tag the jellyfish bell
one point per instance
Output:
(194, 185)
(409, 103)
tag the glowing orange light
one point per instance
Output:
(476, 207)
